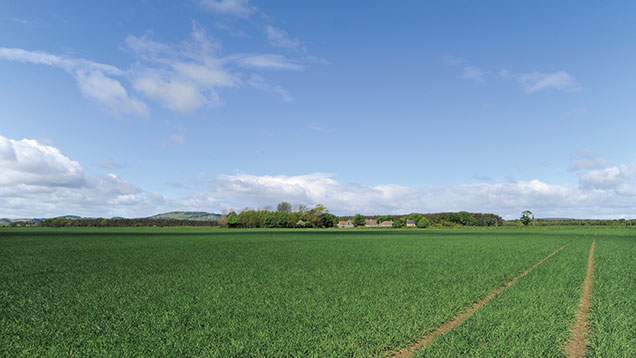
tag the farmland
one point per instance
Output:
(316, 293)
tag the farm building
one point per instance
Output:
(387, 223)
(345, 224)
(370, 223)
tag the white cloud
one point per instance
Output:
(619, 178)
(314, 60)
(95, 80)
(259, 83)
(175, 94)
(473, 73)
(108, 92)
(537, 81)
(189, 75)
(38, 180)
(26, 162)
(240, 8)
(531, 82)
(269, 61)
(279, 38)
(183, 77)
(506, 199)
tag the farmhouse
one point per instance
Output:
(410, 223)
(370, 223)
(387, 223)
(345, 224)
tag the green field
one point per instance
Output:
(307, 293)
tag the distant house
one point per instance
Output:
(388, 223)
(345, 224)
(370, 223)
(410, 223)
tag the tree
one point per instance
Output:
(455, 218)
(284, 207)
(330, 220)
(527, 217)
(415, 217)
(398, 223)
(270, 220)
(281, 219)
(467, 219)
(358, 220)
(423, 223)
(232, 220)
(293, 218)
(316, 215)
(301, 208)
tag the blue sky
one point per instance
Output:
(136, 107)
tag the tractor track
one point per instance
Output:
(449, 325)
(576, 346)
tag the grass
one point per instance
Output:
(613, 313)
(220, 293)
(532, 318)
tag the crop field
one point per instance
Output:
(314, 293)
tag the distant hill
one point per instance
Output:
(23, 220)
(188, 215)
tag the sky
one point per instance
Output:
(131, 108)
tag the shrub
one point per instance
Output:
(423, 223)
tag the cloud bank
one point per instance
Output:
(37, 180)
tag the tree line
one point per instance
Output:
(282, 217)
(446, 219)
(120, 222)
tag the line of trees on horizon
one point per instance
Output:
(446, 219)
(302, 216)
(283, 217)
(120, 222)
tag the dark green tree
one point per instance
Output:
(398, 223)
(526, 217)
(232, 220)
(270, 220)
(467, 219)
(358, 220)
(423, 223)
